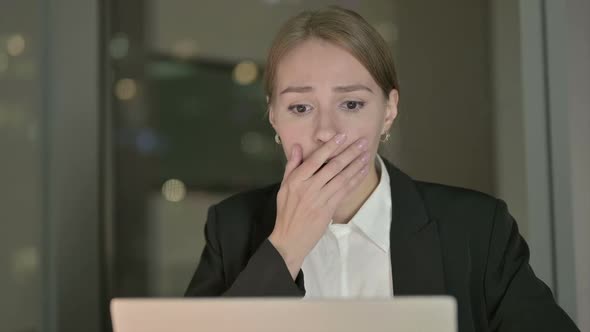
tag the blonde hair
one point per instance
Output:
(342, 27)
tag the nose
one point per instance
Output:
(326, 126)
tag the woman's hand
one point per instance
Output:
(310, 193)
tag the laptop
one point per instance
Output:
(401, 314)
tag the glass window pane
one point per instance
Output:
(20, 157)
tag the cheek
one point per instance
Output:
(372, 130)
(371, 133)
(366, 129)
(292, 134)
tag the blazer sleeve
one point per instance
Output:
(516, 300)
(265, 274)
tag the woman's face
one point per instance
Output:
(322, 90)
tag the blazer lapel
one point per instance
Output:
(416, 256)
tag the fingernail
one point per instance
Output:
(363, 144)
(340, 138)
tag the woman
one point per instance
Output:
(344, 222)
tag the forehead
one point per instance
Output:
(319, 62)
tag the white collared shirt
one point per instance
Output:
(353, 259)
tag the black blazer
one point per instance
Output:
(444, 240)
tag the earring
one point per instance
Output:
(386, 138)
(277, 139)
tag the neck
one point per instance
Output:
(353, 201)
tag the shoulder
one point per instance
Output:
(459, 208)
(468, 219)
(443, 203)
(443, 199)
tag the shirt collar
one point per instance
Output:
(374, 216)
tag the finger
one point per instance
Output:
(293, 161)
(345, 181)
(336, 199)
(339, 163)
(319, 157)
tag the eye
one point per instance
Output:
(299, 109)
(352, 105)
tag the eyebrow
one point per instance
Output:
(351, 88)
(345, 88)
(297, 89)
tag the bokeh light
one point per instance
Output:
(174, 190)
(125, 89)
(245, 72)
(15, 45)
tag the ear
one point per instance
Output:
(271, 114)
(390, 110)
